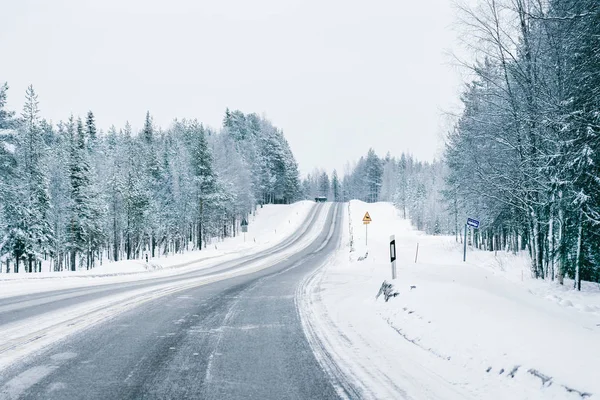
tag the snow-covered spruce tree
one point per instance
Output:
(152, 180)
(310, 185)
(336, 187)
(374, 175)
(324, 186)
(10, 241)
(265, 149)
(60, 194)
(389, 174)
(135, 196)
(234, 176)
(81, 213)
(204, 180)
(30, 230)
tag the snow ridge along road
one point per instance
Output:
(17, 307)
(29, 323)
(272, 225)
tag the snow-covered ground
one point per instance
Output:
(480, 329)
(271, 225)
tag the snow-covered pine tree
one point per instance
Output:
(60, 199)
(336, 187)
(90, 125)
(324, 186)
(12, 238)
(203, 179)
(135, 196)
(33, 174)
(81, 216)
(374, 176)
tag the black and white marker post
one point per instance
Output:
(393, 255)
(244, 228)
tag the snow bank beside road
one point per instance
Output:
(271, 225)
(467, 330)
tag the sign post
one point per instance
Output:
(393, 255)
(465, 245)
(366, 221)
(473, 223)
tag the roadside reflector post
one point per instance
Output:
(393, 255)
(417, 253)
(244, 225)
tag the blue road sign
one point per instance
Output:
(473, 222)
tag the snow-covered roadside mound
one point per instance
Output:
(271, 225)
(481, 329)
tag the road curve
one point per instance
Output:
(16, 308)
(237, 338)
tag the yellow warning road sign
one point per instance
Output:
(367, 218)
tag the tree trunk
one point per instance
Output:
(455, 220)
(577, 283)
(551, 241)
(540, 248)
(198, 235)
(128, 246)
(532, 249)
(561, 228)
(115, 239)
(200, 224)
(73, 260)
(153, 244)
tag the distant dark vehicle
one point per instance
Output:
(321, 199)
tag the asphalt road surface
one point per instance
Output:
(237, 338)
(15, 308)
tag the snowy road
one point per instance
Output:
(26, 306)
(231, 331)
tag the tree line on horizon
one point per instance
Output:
(72, 196)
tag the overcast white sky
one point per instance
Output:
(338, 76)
